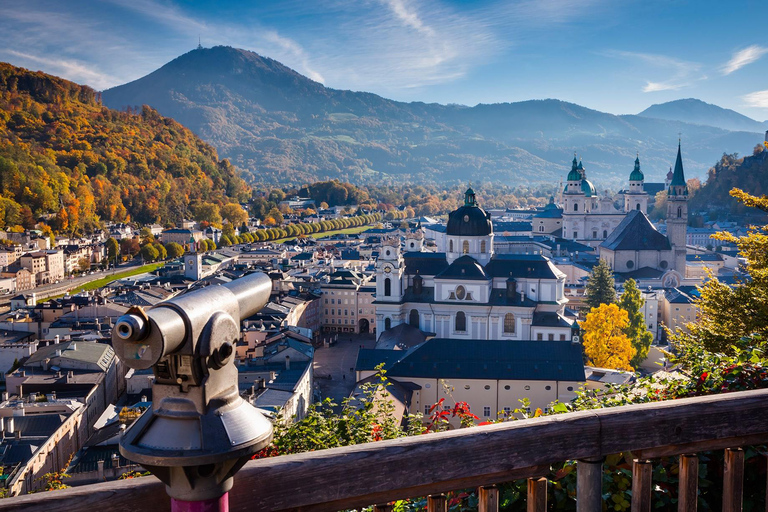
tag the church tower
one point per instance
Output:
(677, 214)
(636, 198)
(390, 270)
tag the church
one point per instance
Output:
(635, 249)
(465, 291)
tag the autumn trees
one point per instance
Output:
(605, 343)
(730, 318)
(62, 153)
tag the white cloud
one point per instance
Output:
(678, 73)
(265, 41)
(757, 99)
(75, 71)
(743, 57)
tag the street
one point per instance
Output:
(338, 362)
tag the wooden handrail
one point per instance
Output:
(384, 471)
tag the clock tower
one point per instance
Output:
(390, 270)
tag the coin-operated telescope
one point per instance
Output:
(199, 431)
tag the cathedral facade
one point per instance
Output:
(465, 291)
(590, 219)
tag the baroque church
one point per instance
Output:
(465, 291)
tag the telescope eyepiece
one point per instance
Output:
(131, 328)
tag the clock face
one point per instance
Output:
(191, 262)
(466, 218)
(387, 269)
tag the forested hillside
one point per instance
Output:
(748, 173)
(63, 153)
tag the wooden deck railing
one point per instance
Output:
(429, 465)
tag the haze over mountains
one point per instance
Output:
(285, 128)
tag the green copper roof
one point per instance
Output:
(588, 188)
(678, 187)
(574, 175)
(636, 174)
(469, 197)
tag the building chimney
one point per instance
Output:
(143, 398)
(287, 362)
(56, 340)
(70, 375)
(18, 435)
(9, 424)
(100, 469)
(5, 396)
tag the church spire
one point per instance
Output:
(678, 187)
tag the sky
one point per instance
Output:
(617, 56)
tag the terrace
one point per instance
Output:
(430, 465)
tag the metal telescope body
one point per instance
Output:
(199, 431)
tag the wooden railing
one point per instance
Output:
(429, 465)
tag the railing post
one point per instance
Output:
(642, 472)
(733, 480)
(589, 485)
(437, 503)
(687, 500)
(537, 495)
(489, 499)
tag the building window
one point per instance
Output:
(605, 233)
(487, 411)
(630, 264)
(594, 234)
(507, 387)
(413, 318)
(507, 411)
(562, 337)
(326, 301)
(551, 337)
(539, 337)
(450, 246)
(461, 322)
(575, 235)
(387, 323)
(387, 287)
(487, 387)
(509, 323)
(637, 207)
(469, 295)
(426, 410)
(465, 247)
(547, 387)
(575, 207)
(541, 229)
(679, 212)
(570, 388)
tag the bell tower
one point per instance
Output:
(390, 268)
(677, 213)
(636, 198)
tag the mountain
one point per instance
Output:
(63, 152)
(696, 111)
(285, 128)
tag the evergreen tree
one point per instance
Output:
(632, 302)
(600, 286)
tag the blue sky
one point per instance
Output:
(618, 56)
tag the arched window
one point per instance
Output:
(575, 207)
(482, 246)
(679, 212)
(465, 247)
(637, 207)
(450, 246)
(605, 233)
(509, 323)
(413, 318)
(461, 322)
(387, 287)
(387, 323)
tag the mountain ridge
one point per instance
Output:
(695, 111)
(285, 128)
